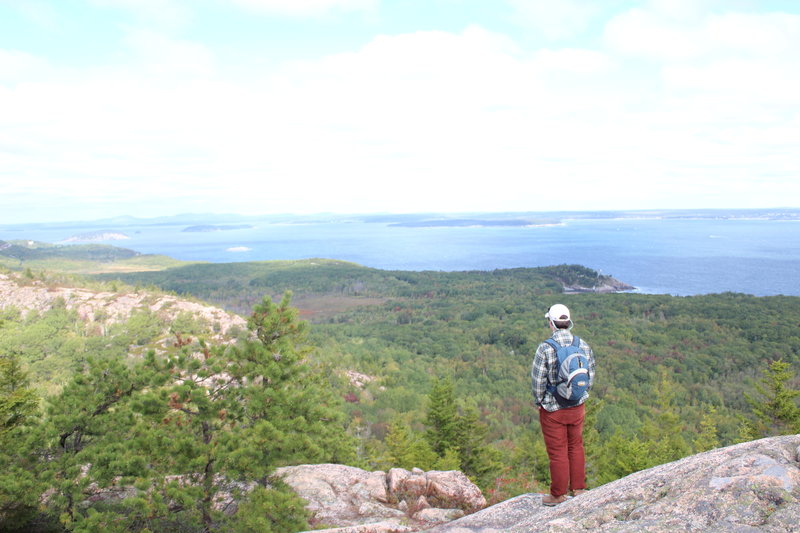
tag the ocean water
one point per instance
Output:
(661, 256)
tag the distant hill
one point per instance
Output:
(317, 283)
(79, 258)
(30, 250)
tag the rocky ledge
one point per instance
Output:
(749, 487)
(746, 488)
(27, 295)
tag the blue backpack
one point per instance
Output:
(573, 373)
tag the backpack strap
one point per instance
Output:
(576, 342)
(551, 388)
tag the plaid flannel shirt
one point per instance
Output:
(545, 370)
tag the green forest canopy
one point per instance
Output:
(481, 328)
(674, 373)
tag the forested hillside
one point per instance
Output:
(136, 411)
(674, 373)
(427, 369)
(78, 258)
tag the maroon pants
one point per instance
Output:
(563, 437)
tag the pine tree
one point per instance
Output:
(398, 444)
(476, 459)
(401, 450)
(185, 428)
(775, 407)
(451, 460)
(406, 450)
(707, 438)
(18, 407)
(622, 455)
(288, 410)
(83, 436)
(664, 432)
(457, 436)
(276, 510)
(441, 418)
(236, 413)
(748, 430)
(18, 402)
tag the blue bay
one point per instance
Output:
(680, 256)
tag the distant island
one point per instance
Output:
(225, 227)
(470, 222)
(94, 236)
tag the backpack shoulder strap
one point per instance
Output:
(550, 387)
(576, 342)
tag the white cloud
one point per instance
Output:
(742, 82)
(554, 20)
(574, 60)
(166, 13)
(643, 33)
(429, 120)
(162, 55)
(652, 35)
(16, 65)
(306, 7)
(726, 96)
(755, 35)
(417, 110)
(681, 11)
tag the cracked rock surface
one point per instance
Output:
(748, 487)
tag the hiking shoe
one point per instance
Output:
(578, 492)
(550, 500)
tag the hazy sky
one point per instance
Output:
(155, 107)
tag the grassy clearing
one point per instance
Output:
(321, 307)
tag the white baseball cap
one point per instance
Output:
(558, 312)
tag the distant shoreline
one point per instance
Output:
(472, 223)
(209, 227)
(752, 252)
(489, 218)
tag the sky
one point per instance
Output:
(160, 107)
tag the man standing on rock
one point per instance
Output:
(561, 403)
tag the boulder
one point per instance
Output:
(357, 501)
(453, 490)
